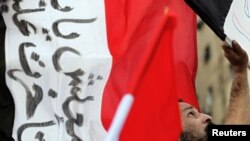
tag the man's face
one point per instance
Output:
(194, 123)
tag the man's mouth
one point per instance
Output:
(210, 123)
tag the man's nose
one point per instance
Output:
(206, 118)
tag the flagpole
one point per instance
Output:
(228, 41)
(120, 118)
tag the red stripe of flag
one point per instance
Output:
(140, 37)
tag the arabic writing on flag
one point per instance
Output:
(67, 65)
(57, 64)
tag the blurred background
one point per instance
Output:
(214, 74)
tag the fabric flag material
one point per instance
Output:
(57, 64)
(212, 12)
(229, 19)
(67, 65)
(143, 122)
(185, 51)
(143, 66)
(6, 100)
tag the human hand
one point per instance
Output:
(236, 56)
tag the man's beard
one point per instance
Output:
(191, 136)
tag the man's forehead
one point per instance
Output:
(184, 105)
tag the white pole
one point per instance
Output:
(228, 41)
(120, 118)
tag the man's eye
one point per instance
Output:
(190, 114)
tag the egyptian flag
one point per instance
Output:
(67, 64)
(229, 19)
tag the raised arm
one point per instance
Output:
(239, 105)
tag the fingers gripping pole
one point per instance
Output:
(120, 118)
